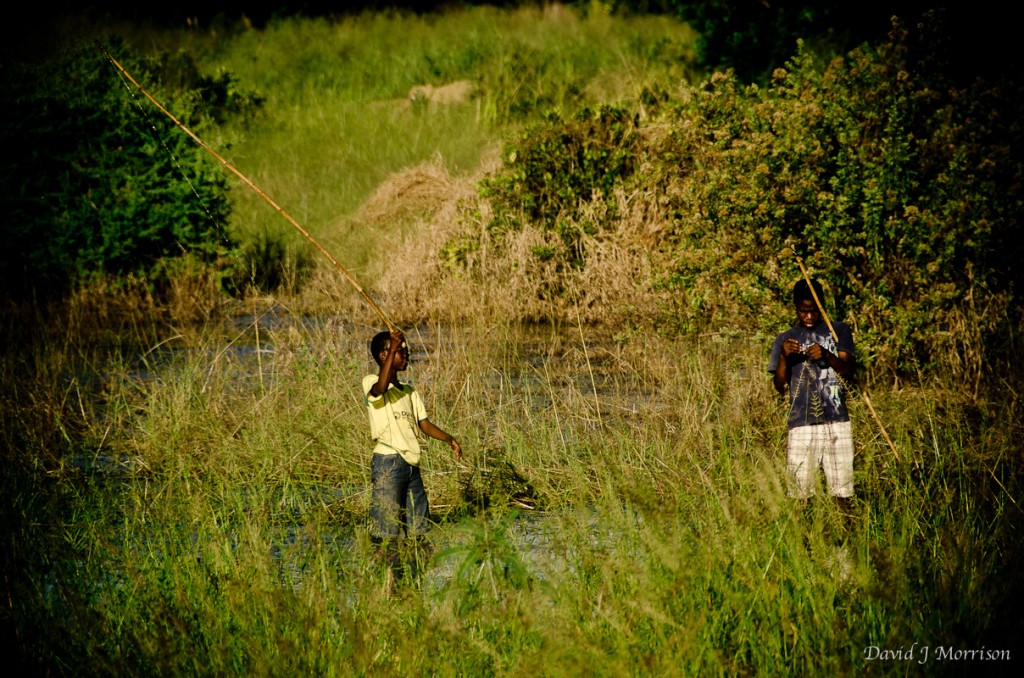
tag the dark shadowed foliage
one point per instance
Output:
(96, 181)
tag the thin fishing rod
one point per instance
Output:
(835, 338)
(248, 182)
(817, 301)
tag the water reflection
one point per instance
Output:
(529, 368)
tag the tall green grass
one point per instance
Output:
(621, 511)
(338, 120)
(185, 498)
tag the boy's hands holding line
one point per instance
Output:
(791, 347)
(816, 352)
(841, 363)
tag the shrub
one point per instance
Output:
(553, 168)
(899, 188)
(96, 180)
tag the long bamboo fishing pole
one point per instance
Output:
(835, 338)
(248, 182)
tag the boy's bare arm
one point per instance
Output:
(780, 379)
(387, 368)
(437, 434)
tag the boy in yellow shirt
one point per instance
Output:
(396, 412)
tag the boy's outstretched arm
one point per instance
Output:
(437, 434)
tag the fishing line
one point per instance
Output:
(248, 182)
(221, 227)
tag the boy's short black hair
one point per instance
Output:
(378, 344)
(802, 291)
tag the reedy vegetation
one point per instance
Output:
(207, 510)
(198, 510)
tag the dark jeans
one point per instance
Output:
(398, 497)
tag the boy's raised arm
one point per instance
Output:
(387, 369)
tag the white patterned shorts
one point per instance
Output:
(828, 446)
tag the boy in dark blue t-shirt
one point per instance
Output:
(813, 365)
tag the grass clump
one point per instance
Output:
(636, 517)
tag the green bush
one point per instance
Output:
(898, 187)
(553, 168)
(96, 180)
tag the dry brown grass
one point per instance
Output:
(457, 92)
(415, 212)
(391, 227)
(189, 295)
(423, 190)
(431, 209)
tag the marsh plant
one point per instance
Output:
(585, 249)
(208, 512)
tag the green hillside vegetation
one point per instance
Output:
(351, 103)
(591, 242)
(899, 189)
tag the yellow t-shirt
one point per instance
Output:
(394, 419)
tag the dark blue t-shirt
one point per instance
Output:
(816, 394)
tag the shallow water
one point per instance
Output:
(248, 354)
(536, 367)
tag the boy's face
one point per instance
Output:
(807, 313)
(403, 356)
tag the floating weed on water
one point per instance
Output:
(498, 482)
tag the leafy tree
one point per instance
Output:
(899, 187)
(753, 37)
(95, 180)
